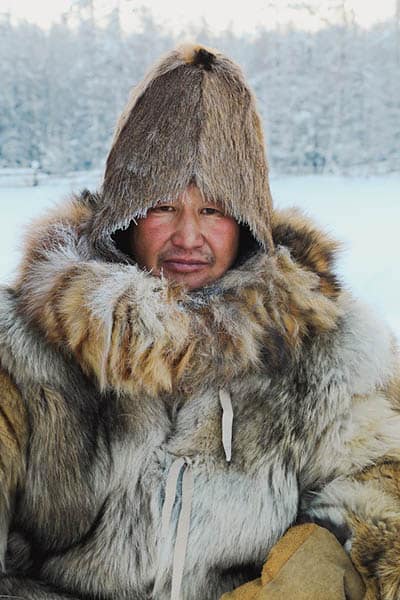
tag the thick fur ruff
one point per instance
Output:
(109, 373)
(137, 333)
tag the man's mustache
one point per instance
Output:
(186, 256)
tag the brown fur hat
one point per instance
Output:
(192, 119)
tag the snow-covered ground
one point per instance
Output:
(363, 213)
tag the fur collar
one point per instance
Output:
(256, 318)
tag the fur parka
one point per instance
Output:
(109, 375)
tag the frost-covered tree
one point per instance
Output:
(329, 98)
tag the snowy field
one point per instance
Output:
(363, 213)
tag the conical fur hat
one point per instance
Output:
(193, 119)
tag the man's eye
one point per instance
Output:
(163, 208)
(211, 211)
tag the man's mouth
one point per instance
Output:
(179, 265)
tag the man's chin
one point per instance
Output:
(191, 281)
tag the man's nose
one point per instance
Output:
(187, 234)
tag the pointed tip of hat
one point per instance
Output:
(197, 54)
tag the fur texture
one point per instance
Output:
(108, 374)
(137, 333)
(191, 119)
(291, 348)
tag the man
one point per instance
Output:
(190, 240)
(184, 378)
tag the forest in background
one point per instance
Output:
(329, 99)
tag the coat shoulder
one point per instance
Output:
(360, 347)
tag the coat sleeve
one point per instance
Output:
(13, 448)
(362, 507)
(125, 328)
(13, 443)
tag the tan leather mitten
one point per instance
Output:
(307, 563)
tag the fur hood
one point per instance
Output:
(256, 318)
(192, 119)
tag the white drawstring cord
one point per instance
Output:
(185, 464)
(182, 532)
(227, 422)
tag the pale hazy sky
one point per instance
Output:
(244, 16)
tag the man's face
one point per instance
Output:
(189, 240)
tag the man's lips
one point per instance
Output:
(180, 265)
